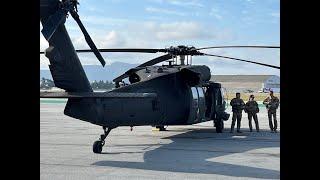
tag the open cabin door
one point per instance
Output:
(197, 106)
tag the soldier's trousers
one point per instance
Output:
(273, 126)
(236, 116)
(255, 118)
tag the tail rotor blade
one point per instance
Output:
(88, 38)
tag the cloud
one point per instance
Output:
(275, 14)
(153, 35)
(151, 28)
(181, 31)
(225, 66)
(244, 12)
(100, 20)
(216, 13)
(192, 3)
(164, 11)
(181, 3)
(111, 39)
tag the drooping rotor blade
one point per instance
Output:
(214, 47)
(53, 22)
(88, 38)
(119, 78)
(156, 60)
(148, 63)
(126, 74)
(237, 59)
(130, 50)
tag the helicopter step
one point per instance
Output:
(97, 145)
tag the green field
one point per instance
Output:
(55, 101)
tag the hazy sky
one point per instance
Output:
(164, 23)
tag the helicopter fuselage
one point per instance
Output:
(175, 95)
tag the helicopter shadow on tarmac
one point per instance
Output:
(189, 153)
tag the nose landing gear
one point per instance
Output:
(97, 145)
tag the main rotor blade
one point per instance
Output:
(268, 65)
(129, 50)
(88, 38)
(148, 63)
(156, 60)
(214, 47)
(133, 50)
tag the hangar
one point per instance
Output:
(248, 83)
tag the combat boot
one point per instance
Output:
(231, 131)
(238, 128)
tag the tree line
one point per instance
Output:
(48, 84)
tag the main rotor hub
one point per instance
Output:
(183, 50)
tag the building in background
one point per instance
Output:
(248, 83)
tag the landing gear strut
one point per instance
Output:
(97, 145)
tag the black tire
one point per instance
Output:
(161, 128)
(97, 147)
(219, 126)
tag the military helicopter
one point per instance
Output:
(177, 93)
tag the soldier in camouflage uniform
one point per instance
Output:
(252, 109)
(272, 104)
(237, 107)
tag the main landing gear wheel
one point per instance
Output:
(161, 128)
(97, 145)
(219, 126)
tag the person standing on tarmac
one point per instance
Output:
(272, 104)
(237, 107)
(252, 109)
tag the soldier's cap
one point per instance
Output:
(237, 93)
(251, 96)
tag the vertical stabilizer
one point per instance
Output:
(65, 66)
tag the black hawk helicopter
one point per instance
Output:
(178, 93)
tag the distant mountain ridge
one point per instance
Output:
(97, 72)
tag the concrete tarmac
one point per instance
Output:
(182, 152)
